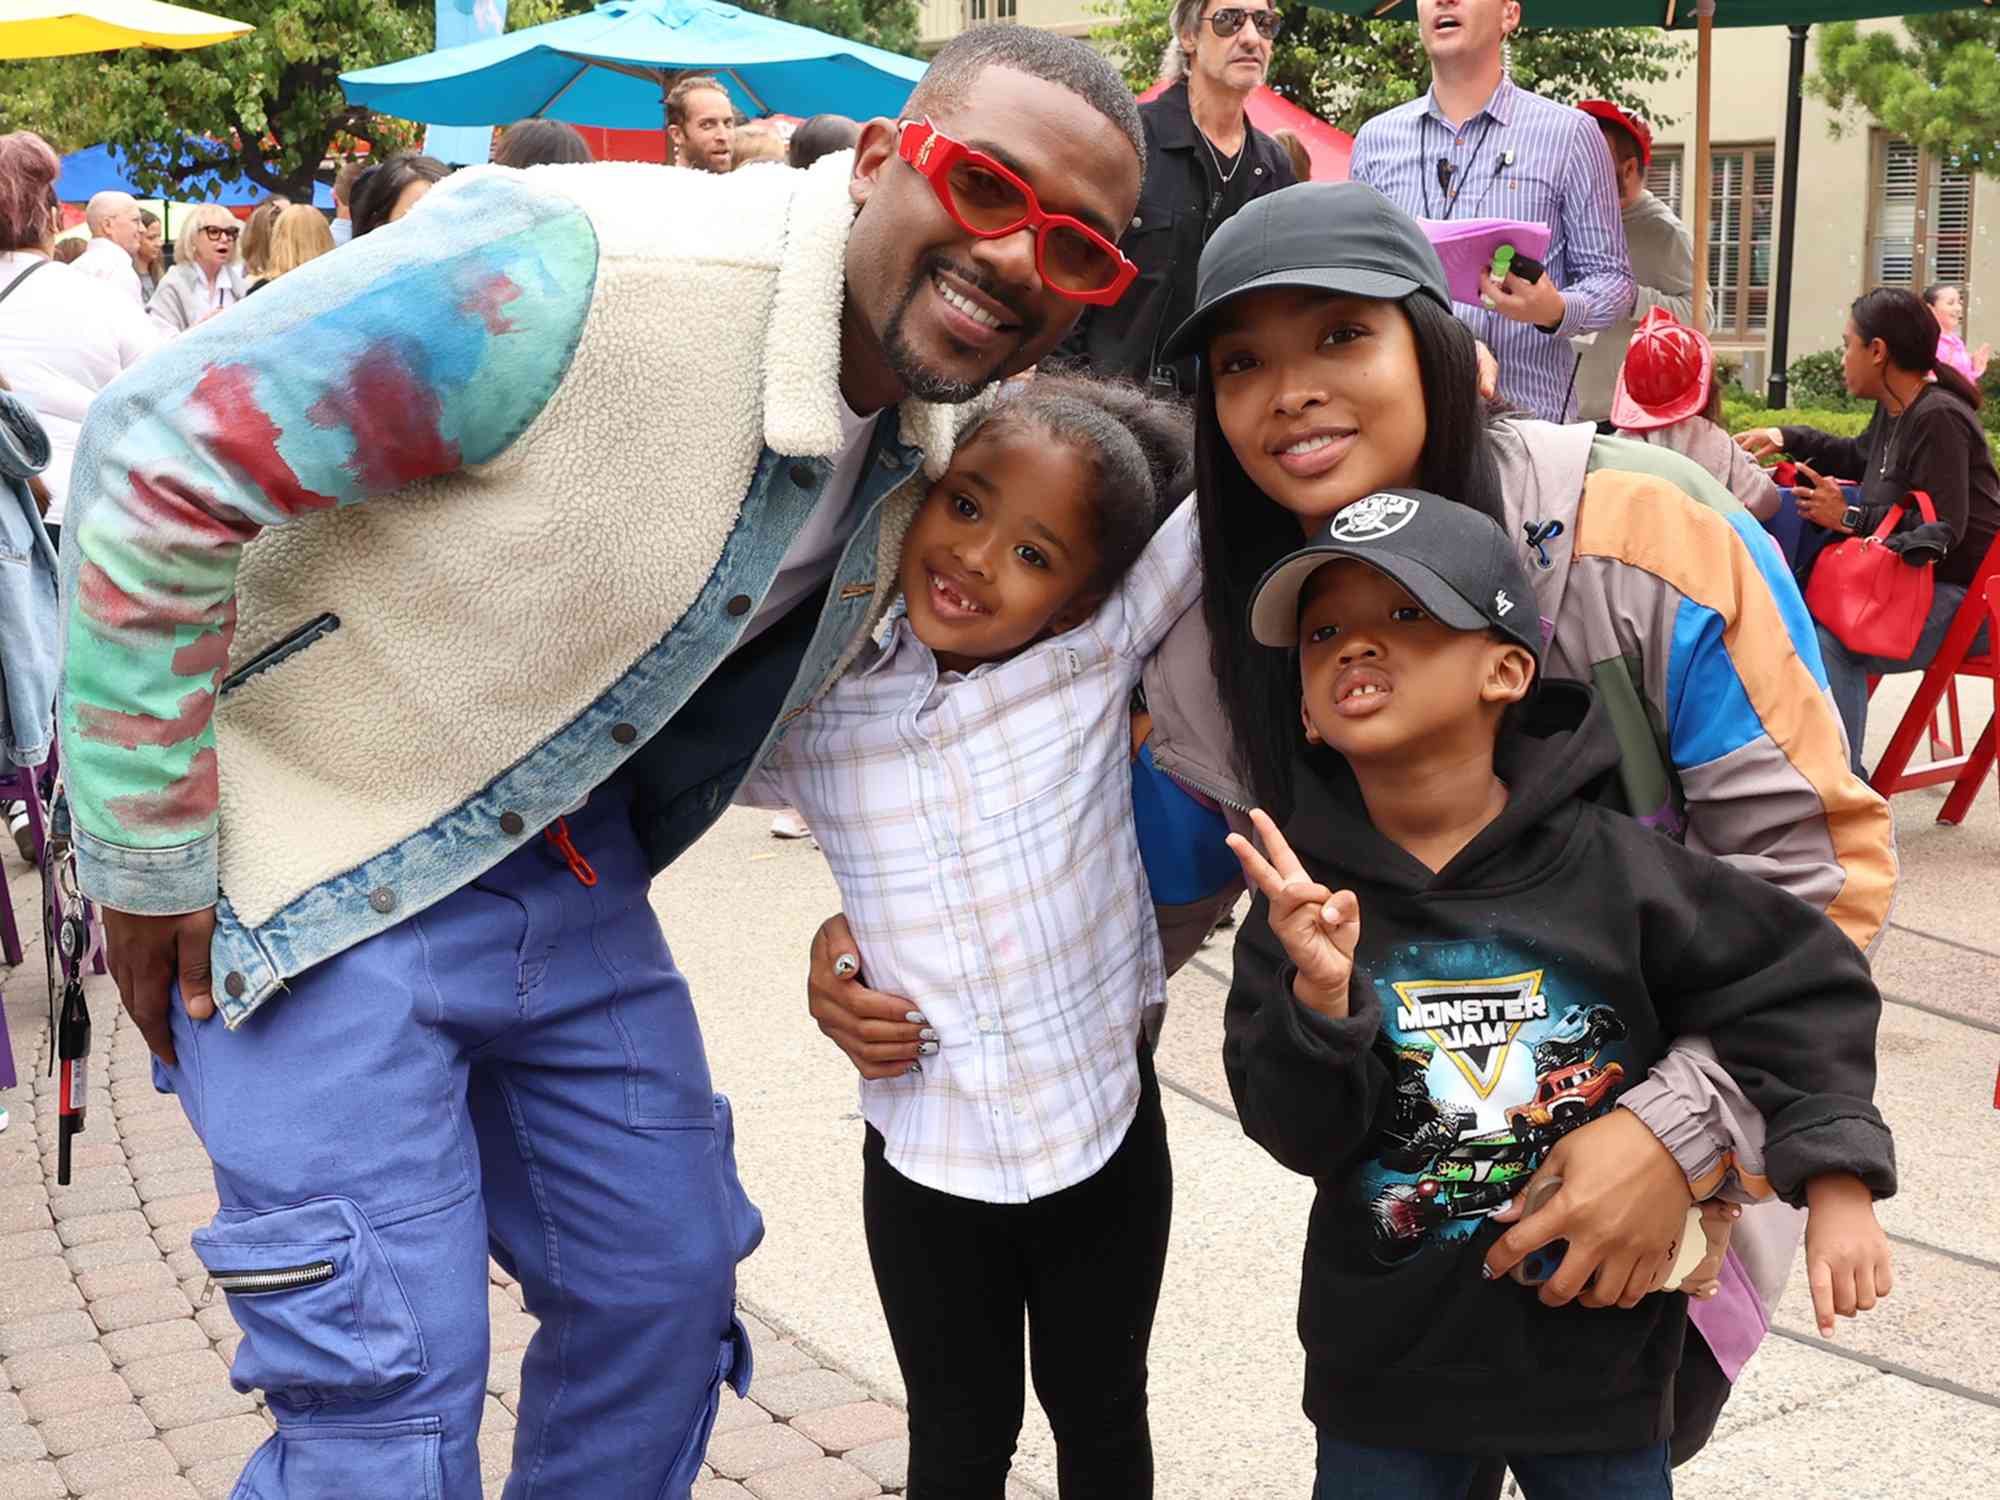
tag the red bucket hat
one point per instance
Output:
(1668, 371)
(1632, 125)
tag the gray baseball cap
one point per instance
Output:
(1330, 236)
(1455, 562)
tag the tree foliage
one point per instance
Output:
(889, 24)
(1346, 69)
(1937, 84)
(266, 107)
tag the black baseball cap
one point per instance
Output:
(1455, 562)
(1330, 236)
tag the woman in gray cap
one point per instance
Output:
(1332, 369)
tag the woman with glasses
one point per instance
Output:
(207, 277)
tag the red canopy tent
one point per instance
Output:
(1270, 112)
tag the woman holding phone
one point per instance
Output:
(1924, 435)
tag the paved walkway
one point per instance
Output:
(112, 1372)
(114, 1354)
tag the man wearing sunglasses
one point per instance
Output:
(387, 790)
(1204, 161)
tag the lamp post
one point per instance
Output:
(1777, 390)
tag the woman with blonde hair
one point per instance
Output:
(206, 276)
(255, 246)
(298, 235)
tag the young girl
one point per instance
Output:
(970, 783)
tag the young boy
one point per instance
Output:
(1465, 959)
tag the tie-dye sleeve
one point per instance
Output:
(401, 357)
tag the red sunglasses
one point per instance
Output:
(985, 199)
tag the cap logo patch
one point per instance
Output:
(1372, 518)
(1501, 603)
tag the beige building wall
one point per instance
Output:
(941, 20)
(1830, 266)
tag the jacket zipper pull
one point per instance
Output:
(557, 833)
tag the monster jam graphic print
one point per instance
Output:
(1493, 1065)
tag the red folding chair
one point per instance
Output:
(1980, 760)
(1965, 768)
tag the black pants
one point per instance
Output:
(1700, 1392)
(1084, 1265)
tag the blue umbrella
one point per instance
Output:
(613, 66)
(101, 169)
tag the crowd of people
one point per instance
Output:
(1092, 521)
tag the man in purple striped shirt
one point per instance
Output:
(1477, 147)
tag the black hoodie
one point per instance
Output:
(1495, 1005)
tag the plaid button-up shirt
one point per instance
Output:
(980, 827)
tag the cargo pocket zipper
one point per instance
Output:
(278, 1279)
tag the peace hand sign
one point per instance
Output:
(1319, 928)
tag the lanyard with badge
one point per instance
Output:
(1447, 169)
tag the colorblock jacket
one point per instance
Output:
(370, 579)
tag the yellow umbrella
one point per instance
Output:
(58, 28)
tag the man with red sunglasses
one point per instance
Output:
(1204, 161)
(400, 777)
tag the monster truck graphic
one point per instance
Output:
(1461, 1175)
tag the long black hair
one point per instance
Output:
(1244, 531)
(1908, 329)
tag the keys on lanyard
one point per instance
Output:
(73, 1063)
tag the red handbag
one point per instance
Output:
(1875, 603)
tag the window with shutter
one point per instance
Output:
(1663, 178)
(1892, 250)
(1919, 218)
(1742, 198)
(1951, 225)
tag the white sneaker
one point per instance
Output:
(789, 825)
(3, 1117)
(23, 831)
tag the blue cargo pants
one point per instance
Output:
(516, 1070)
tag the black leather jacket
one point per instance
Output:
(1164, 240)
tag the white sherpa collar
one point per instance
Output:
(802, 343)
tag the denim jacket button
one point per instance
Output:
(234, 985)
(511, 824)
(383, 900)
(740, 605)
(803, 476)
(624, 734)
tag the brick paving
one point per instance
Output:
(114, 1356)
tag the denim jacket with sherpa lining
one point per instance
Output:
(325, 715)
